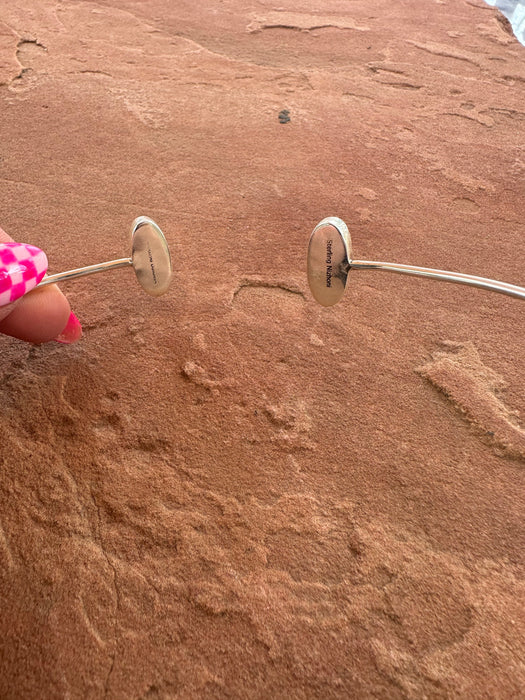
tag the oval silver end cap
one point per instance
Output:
(150, 256)
(329, 255)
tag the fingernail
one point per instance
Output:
(72, 332)
(22, 267)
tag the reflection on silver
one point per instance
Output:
(329, 251)
(330, 261)
(150, 259)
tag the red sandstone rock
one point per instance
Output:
(231, 491)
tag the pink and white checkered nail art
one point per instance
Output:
(22, 267)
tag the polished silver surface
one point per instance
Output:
(329, 263)
(150, 259)
(150, 256)
(81, 271)
(443, 275)
(329, 251)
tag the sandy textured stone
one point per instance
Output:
(230, 491)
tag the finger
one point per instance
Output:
(40, 316)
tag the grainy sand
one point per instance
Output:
(231, 492)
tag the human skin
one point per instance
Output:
(39, 316)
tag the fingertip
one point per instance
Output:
(39, 316)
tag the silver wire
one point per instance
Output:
(457, 277)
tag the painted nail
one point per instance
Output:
(72, 332)
(22, 267)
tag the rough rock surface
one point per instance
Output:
(232, 492)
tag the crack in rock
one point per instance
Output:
(259, 283)
(303, 22)
(117, 595)
(27, 52)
